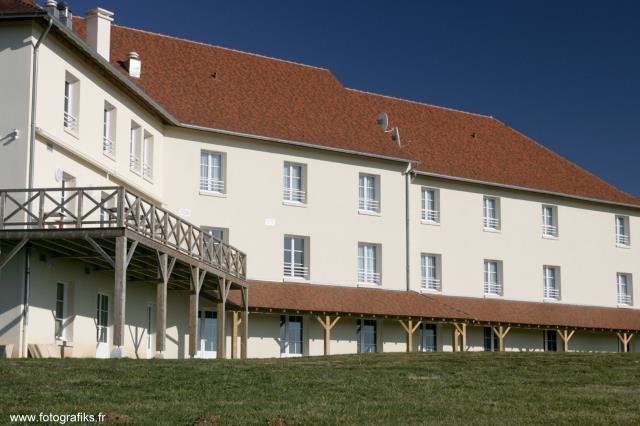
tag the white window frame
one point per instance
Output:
(147, 155)
(71, 106)
(424, 347)
(102, 330)
(430, 205)
(135, 148)
(369, 267)
(551, 282)
(60, 318)
(624, 285)
(494, 343)
(549, 221)
(109, 126)
(291, 193)
(548, 341)
(291, 269)
(491, 214)
(623, 235)
(430, 277)
(493, 268)
(209, 182)
(368, 193)
(285, 336)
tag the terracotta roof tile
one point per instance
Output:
(9, 7)
(366, 301)
(221, 88)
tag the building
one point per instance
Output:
(132, 165)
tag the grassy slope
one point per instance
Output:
(372, 389)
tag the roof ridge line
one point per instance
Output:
(563, 158)
(419, 103)
(221, 47)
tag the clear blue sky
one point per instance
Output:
(564, 73)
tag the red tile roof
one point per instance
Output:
(214, 87)
(365, 301)
(8, 7)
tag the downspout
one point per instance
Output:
(32, 149)
(407, 186)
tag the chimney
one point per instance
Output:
(51, 7)
(65, 15)
(99, 30)
(134, 66)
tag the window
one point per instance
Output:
(147, 156)
(430, 205)
(295, 260)
(490, 340)
(366, 335)
(291, 337)
(60, 311)
(71, 102)
(135, 148)
(368, 264)
(492, 277)
(550, 341)
(220, 234)
(551, 278)
(369, 194)
(430, 268)
(491, 213)
(211, 172)
(102, 318)
(428, 338)
(294, 183)
(622, 231)
(109, 130)
(549, 221)
(624, 289)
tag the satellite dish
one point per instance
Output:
(58, 175)
(383, 121)
(395, 135)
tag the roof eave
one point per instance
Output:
(530, 190)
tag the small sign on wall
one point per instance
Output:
(270, 221)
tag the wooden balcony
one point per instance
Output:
(111, 228)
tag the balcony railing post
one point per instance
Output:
(40, 209)
(3, 200)
(120, 208)
(80, 208)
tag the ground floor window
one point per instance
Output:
(102, 318)
(550, 341)
(366, 335)
(291, 340)
(207, 333)
(60, 311)
(490, 340)
(428, 338)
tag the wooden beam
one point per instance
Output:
(565, 335)
(327, 324)
(120, 293)
(459, 337)
(194, 298)
(500, 332)
(244, 332)
(132, 250)
(11, 254)
(161, 303)
(235, 323)
(221, 344)
(625, 338)
(101, 251)
(410, 328)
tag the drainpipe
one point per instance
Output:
(32, 149)
(408, 173)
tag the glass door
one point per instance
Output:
(207, 330)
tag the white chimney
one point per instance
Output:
(134, 66)
(99, 30)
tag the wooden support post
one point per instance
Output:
(244, 331)
(120, 295)
(501, 333)
(221, 344)
(625, 338)
(164, 272)
(459, 337)
(565, 335)
(327, 325)
(235, 323)
(410, 329)
(194, 298)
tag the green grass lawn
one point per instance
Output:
(396, 389)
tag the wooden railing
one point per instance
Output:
(108, 207)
